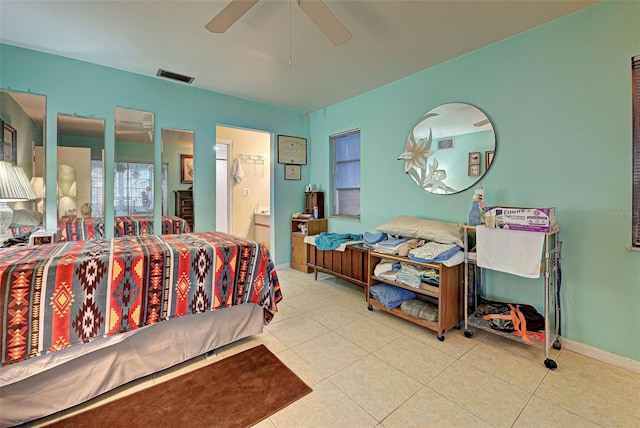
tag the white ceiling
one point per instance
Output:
(391, 39)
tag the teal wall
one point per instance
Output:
(560, 99)
(455, 160)
(95, 144)
(84, 89)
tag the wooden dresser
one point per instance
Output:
(184, 206)
(299, 229)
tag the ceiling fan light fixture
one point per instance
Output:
(175, 76)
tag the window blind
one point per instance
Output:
(346, 173)
(635, 69)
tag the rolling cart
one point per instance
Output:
(550, 270)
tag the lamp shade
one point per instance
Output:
(24, 183)
(12, 184)
(38, 186)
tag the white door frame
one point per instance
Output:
(229, 183)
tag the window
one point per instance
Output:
(97, 178)
(133, 184)
(635, 209)
(346, 174)
(133, 188)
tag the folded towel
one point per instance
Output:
(513, 251)
(330, 241)
(373, 238)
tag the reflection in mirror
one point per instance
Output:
(177, 162)
(446, 149)
(133, 187)
(24, 116)
(80, 167)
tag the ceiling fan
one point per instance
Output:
(127, 127)
(316, 10)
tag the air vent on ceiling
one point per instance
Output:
(174, 76)
(445, 144)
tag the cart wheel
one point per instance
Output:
(370, 307)
(556, 344)
(550, 364)
(468, 334)
(441, 338)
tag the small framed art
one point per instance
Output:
(8, 143)
(474, 170)
(186, 168)
(488, 158)
(474, 158)
(292, 150)
(292, 172)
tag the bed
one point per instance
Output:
(83, 317)
(81, 229)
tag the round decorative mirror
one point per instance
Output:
(449, 148)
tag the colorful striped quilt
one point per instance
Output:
(80, 229)
(61, 295)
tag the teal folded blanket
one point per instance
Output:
(331, 241)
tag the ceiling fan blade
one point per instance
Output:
(229, 15)
(326, 21)
(481, 123)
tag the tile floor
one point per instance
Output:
(371, 369)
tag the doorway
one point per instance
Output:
(246, 170)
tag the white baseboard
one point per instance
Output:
(282, 266)
(599, 354)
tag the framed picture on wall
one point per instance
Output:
(186, 168)
(292, 150)
(292, 172)
(474, 158)
(474, 170)
(8, 143)
(488, 158)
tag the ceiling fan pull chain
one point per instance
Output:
(290, 62)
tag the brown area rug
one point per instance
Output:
(237, 391)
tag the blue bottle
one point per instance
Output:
(474, 214)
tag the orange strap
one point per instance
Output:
(519, 324)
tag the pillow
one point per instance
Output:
(26, 218)
(391, 296)
(432, 230)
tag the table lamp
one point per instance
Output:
(14, 187)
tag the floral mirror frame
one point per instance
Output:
(444, 148)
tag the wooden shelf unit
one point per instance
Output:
(448, 294)
(298, 246)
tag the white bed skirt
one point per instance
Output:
(150, 350)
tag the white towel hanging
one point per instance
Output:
(236, 171)
(513, 251)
